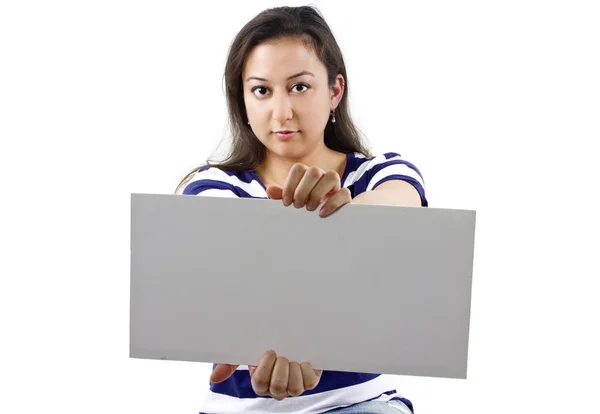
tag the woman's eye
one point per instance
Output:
(298, 88)
(259, 91)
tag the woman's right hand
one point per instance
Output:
(274, 376)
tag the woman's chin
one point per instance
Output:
(287, 151)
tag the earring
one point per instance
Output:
(248, 122)
(333, 116)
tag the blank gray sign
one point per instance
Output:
(374, 289)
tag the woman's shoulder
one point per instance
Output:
(366, 166)
(365, 173)
(212, 180)
(360, 157)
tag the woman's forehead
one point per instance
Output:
(277, 60)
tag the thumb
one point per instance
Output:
(222, 372)
(275, 193)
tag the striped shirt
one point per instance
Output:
(335, 389)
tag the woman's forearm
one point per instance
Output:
(393, 194)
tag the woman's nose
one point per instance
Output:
(282, 108)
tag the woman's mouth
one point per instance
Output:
(285, 135)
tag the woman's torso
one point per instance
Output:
(335, 389)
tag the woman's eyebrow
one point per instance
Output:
(304, 72)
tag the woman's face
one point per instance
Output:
(286, 89)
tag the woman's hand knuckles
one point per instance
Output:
(332, 175)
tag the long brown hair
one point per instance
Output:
(306, 23)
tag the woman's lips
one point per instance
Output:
(285, 135)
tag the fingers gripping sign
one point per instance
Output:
(310, 186)
(279, 378)
(275, 376)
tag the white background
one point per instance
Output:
(498, 103)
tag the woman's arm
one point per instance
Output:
(393, 192)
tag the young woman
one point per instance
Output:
(294, 140)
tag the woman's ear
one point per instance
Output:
(337, 91)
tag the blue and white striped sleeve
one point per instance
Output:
(212, 182)
(391, 166)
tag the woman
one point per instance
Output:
(294, 140)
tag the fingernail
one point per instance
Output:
(324, 212)
(286, 200)
(310, 205)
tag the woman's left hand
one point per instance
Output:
(310, 186)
